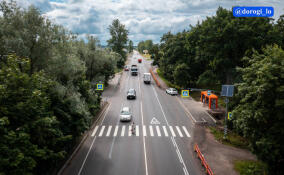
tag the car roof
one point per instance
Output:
(131, 89)
(125, 109)
(172, 88)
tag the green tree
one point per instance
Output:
(30, 135)
(118, 40)
(141, 46)
(130, 46)
(259, 114)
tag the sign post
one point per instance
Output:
(227, 91)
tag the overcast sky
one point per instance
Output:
(145, 19)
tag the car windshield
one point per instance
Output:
(131, 91)
(125, 112)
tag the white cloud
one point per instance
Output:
(145, 19)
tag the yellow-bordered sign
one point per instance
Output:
(100, 87)
(184, 93)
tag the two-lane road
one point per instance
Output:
(162, 139)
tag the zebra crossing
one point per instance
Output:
(146, 131)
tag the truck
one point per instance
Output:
(134, 69)
(139, 60)
(147, 78)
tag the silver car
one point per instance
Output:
(125, 114)
(172, 91)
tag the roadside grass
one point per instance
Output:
(250, 167)
(169, 84)
(233, 139)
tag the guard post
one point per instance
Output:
(227, 91)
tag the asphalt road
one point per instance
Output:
(162, 141)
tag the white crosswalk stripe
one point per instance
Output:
(108, 131)
(144, 131)
(180, 134)
(165, 131)
(158, 131)
(130, 130)
(115, 131)
(172, 131)
(95, 130)
(123, 130)
(137, 130)
(152, 130)
(102, 131)
(185, 130)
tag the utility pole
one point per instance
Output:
(227, 91)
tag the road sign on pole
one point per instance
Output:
(100, 87)
(229, 115)
(184, 93)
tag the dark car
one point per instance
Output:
(131, 94)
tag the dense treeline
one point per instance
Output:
(246, 52)
(47, 96)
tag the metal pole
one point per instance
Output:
(226, 114)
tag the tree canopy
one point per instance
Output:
(118, 40)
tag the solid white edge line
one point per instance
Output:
(186, 110)
(86, 157)
(95, 130)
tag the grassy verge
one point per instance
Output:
(233, 139)
(169, 84)
(250, 167)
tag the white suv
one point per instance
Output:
(125, 114)
(172, 91)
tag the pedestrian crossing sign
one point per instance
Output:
(184, 93)
(229, 115)
(100, 87)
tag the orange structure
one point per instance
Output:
(211, 100)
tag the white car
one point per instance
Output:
(125, 114)
(172, 91)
